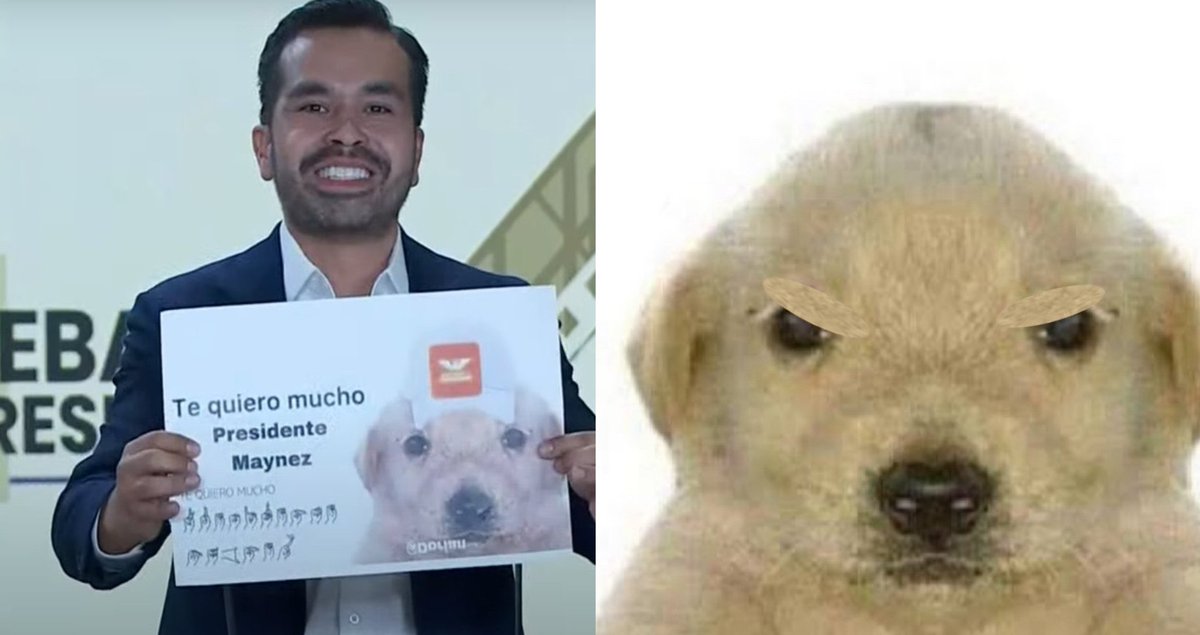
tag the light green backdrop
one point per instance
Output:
(126, 135)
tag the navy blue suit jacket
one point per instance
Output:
(459, 602)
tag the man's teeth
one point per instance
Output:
(337, 173)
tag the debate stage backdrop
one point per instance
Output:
(126, 159)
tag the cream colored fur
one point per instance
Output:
(927, 220)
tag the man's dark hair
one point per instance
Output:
(317, 14)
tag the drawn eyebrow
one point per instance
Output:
(816, 307)
(1049, 306)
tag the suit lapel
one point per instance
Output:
(260, 273)
(426, 272)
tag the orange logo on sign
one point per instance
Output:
(454, 370)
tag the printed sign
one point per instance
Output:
(366, 435)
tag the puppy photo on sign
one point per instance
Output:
(932, 379)
(452, 467)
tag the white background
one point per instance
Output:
(125, 157)
(698, 101)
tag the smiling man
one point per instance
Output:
(339, 134)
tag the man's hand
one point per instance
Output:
(153, 467)
(575, 455)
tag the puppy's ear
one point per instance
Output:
(394, 423)
(671, 340)
(534, 414)
(1176, 327)
(368, 458)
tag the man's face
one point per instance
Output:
(342, 147)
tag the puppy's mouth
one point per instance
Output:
(935, 568)
(959, 560)
(473, 537)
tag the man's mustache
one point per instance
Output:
(379, 164)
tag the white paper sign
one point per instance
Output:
(366, 435)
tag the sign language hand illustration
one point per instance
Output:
(285, 551)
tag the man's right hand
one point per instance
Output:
(153, 468)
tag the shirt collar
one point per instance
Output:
(299, 272)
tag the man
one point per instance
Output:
(342, 92)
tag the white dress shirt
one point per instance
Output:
(361, 605)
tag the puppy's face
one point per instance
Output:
(463, 475)
(909, 436)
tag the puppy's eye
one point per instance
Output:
(513, 439)
(796, 334)
(416, 445)
(1069, 334)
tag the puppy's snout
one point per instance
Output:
(934, 502)
(470, 509)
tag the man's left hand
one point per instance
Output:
(575, 455)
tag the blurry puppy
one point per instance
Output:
(892, 411)
(463, 484)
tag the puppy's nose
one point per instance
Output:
(470, 509)
(934, 502)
